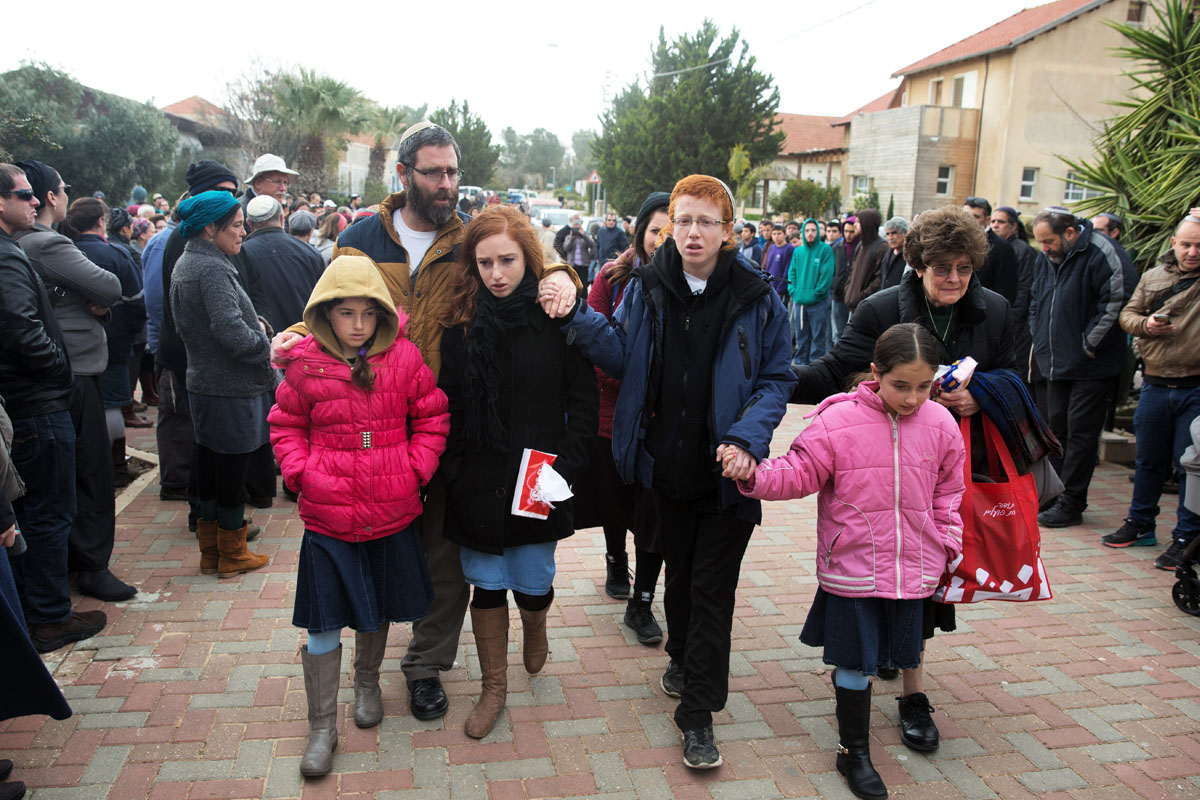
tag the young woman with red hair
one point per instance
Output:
(513, 384)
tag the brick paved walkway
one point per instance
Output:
(195, 691)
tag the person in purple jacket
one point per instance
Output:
(779, 258)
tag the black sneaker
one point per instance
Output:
(81, 625)
(1131, 534)
(917, 729)
(699, 750)
(1169, 560)
(673, 680)
(640, 618)
(1063, 514)
(616, 583)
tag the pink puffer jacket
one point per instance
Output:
(887, 512)
(358, 458)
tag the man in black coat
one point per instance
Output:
(1000, 268)
(36, 381)
(279, 271)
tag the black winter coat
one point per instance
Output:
(35, 373)
(278, 272)
(1000, 271)
(985, 330)
(128, 315)
(548, 396)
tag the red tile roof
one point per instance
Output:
(807, 134)
(194, 106)
(885, 101)
(1006, 34)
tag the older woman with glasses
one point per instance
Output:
(945, 248)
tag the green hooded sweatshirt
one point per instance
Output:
(811, 272)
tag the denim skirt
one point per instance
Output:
(361, 585)
(865, 633)
(231, 425)
(527, 568)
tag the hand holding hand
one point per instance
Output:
(736, 463)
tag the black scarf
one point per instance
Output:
(494, 318)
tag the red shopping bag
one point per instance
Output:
(1002, 549)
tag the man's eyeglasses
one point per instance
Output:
(703, 223)
(21, 194)
(435, 175)
(944, 270)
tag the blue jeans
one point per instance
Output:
(1161, 424)
(837, 322)
(810, 331)
(44, 454)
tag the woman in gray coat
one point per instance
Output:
(229, 377)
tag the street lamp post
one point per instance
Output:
(553, 177)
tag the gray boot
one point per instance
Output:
(368, 655)
(321, 676)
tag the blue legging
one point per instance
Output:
(850, 679)
(324, 642)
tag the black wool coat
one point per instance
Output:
(549, 401)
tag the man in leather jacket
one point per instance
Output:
(36, 380)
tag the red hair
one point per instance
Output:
(464, 286)
(704, 187)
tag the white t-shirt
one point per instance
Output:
(416, 243)
(695, 284)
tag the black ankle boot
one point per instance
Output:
(617, 582)
(854, 751)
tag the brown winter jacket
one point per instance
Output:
(1177, 355)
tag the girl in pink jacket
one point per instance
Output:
(889, 471)
(358, 427)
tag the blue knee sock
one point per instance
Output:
(325, 642)
(850, 679)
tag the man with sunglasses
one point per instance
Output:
(81, 293)
(36, 381)
(414, 240)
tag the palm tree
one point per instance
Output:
(384, 126)
(1147, 160)
(322, 109)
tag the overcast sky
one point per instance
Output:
(550, 65)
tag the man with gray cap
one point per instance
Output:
(279, 271)
(300, 226)
(415, 240)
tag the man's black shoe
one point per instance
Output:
(1131, 534)
(81, 625)
(699, 750)
(640, 618)
(12, 790)
(103, 585)
(1063, 514)
(917, 729)
(1169, 560)
(673, 680)
(261, 501)
(888, 673)
(173, 493)
(427, 698)
(6, 767)
(616, 581)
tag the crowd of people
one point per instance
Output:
(433, 385)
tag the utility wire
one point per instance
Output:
(772, 44)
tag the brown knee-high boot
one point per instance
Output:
(321, 676)
(534, 647)
(368, 656)
(490, 626)
(206, 532)
(233, 555)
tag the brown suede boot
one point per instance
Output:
(491, 639)
(206, 532)
(234, 557)
(368, 656)
(534, 647)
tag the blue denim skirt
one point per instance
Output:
(865, 633)
(527, 568)
(361, 585)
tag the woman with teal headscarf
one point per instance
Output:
(229, 376)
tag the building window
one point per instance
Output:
(1028, 182)
(1077, 191)
(862, 184)
(935, 92)
(956, 91)
(945, 180)
(1137, 10)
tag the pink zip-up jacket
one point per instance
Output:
(887, 513)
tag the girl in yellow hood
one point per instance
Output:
(358, 427)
